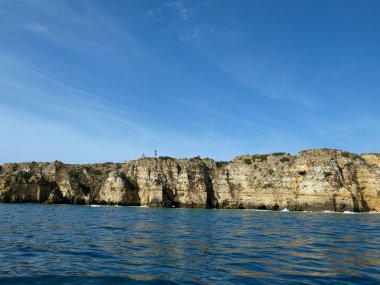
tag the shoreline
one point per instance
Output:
(179, 208)
(312, 180)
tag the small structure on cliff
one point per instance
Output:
(313, 180)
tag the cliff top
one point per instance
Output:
(241, 158)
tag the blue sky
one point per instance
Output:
(92, 81)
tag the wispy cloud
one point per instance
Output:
(84, 83)
(39, 89)
(82, 27)
(39, 29)
(196, 33)
(181, 9)
(261, 75)
(42, 116)
(258, 72)
(151, 16)
(148, 15)
(257, 134)
(98, 129)
(263, 128)
(33, 138)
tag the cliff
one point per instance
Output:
(313, 180)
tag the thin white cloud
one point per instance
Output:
(31, 138)
(196, 33)
(35, 27)
(30, 85)
(263, 128)
(249, 69)
(39, 29)
(181, 9)
(82, 27)
(96, 129)
(259, 74)
(150, 16)
(201, 33)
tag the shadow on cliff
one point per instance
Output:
(211, 200)
(132, 197)
(169, 198)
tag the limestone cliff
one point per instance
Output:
(313, 180)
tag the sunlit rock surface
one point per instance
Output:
(313, 180)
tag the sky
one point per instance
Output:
(85, 81)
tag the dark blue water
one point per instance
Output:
(41, 244)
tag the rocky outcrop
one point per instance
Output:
(313, 180)
(117, 189)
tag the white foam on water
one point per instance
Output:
(285, 210)
(101, 206)
(348, 212)
(258, 210)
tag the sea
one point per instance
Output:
(65, 244)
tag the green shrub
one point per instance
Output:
(261, 157)
(73, 174)
(25, 175)
(248, 161)
(166, 157)
(345, 154)
(278, 153)
(221, 163)
(97, 172)
(285, 159)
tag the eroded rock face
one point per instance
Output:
(313, 180)
(118, 190)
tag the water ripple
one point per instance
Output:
(42, 244)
